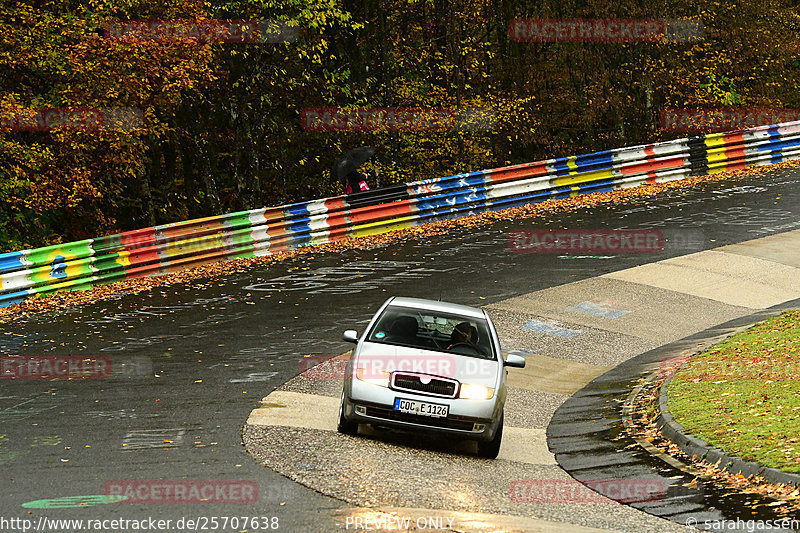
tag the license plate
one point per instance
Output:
(414, 407)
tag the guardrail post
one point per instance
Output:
(698, 156)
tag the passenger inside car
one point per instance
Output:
(404, 330)
(437, 332)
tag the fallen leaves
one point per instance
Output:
(68, 299)
(643, 427)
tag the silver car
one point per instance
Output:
(430, 366)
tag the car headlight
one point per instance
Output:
(374, 377)
(471, 391)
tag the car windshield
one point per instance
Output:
(429, 330)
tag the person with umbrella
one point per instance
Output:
(346, 169)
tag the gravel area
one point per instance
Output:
(524, 408)
(364, 471)
(324, 379)
(383, 469)
(591, 346)
(530, 408)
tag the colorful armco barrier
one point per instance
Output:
(171, 247)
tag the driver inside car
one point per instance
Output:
(462, 334)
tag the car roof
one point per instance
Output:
(432, 305)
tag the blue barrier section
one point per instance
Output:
(167, 248)
(11, 261)
(583, 163)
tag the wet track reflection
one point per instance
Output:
(199, 356)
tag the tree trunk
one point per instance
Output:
(189, 182)
(248, 186)
(204, 169)
(170, 158)
(156, 178)
(147, 216)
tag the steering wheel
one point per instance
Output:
(436, 344)
(468, 345)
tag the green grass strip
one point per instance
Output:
(743, 394)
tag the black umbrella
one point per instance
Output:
(351, 161)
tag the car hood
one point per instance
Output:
(388, 358)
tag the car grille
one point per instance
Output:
(449, 422)
(445, 388)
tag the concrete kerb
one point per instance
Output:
(599, 399)
(586, 450)
(644, 366)
(697, 448)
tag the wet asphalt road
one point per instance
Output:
(588, 438)
(191, 361)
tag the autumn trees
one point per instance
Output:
(65, 180)
(214, 125)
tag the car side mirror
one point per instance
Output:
(350, 335)
(514, 360)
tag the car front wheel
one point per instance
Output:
(490, 449)
(348, 427)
